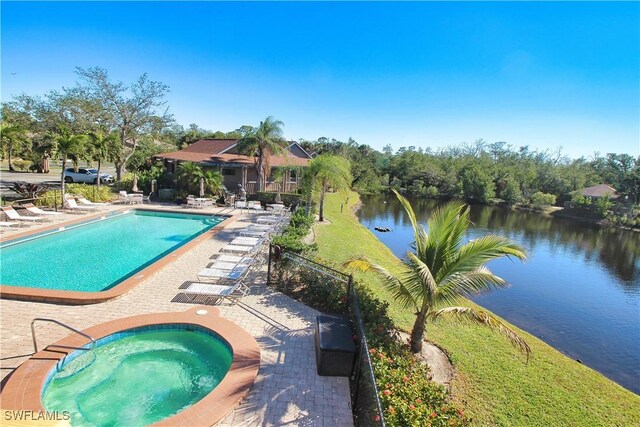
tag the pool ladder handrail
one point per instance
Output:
(44, 319)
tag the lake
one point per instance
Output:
(579, 290)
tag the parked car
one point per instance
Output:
(86, 175)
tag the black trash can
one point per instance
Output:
(335, 349)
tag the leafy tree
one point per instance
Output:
(13, 133)
(477, 184)
(135, 110)
(261, 143)
(602, 205)
(540, 199)
(442, 270)
(67, 144)
(324, 172)
(511, 191)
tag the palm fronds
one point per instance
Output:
(483, 318)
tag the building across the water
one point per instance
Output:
(222, 155)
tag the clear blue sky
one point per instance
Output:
(422, 74)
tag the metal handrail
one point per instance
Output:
(43, 319)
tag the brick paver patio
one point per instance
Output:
(287, 391)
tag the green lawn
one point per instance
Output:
(493, 381)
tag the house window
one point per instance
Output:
(293, 175)
(228, 171)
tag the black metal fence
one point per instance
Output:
(330, 290)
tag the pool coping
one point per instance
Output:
(81, 298)
(23, 389)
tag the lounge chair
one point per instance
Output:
(239, 249)
(36, 210)
(230, 265)
(232, 258)
(84, 201)
(218, 273)
(9, 224)
(70, 203)
(246, 241)
(230, 292)
(253, 233)
(13, 214)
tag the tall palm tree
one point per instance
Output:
(103, 147)
(324, 172)
(261, 143)
(67, 144)
(190, 174)
(441, 270)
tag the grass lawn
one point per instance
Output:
(493, 381)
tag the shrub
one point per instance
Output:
(92, 192)
(298, 228)
(578, 199)
(288, 199)
(23, 165)
(540, 200)
(28, 190)
(602, 206)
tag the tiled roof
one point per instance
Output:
(208, 151)
(600, 191)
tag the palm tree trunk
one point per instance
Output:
(322, 205)
(98, 179)
(417, 333)
(260, 171)
(9, 153)
(64, 164)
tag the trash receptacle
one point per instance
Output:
(335, 349)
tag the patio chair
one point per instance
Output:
(36, 210)
(238, 249)
(13, 214)
(70, 203)
(231, 292)
(236, 273)
(237, 262)
(9, 224)
(84, 201)
(246, 241)
(253, 233)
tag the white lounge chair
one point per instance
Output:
(253, 233)
(9, 224)
(230, 292)
(232, 258)
(230, 265)
(36, 210)
(70, 203)
(13, 214)
(84, 201)
(246, 241)
(238, 249)
(218, 273)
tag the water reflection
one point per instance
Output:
(617, 250)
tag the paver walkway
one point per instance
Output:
(287, 391)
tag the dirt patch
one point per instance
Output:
(440, 366)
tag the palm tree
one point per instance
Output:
(324, 172)
(261, 143)
(441, 270)
(190, 174)
(67, 144)
(102, 147)
(212, 180)
(12, 137)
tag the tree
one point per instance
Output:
(190, 174)
(477, 184)
(324, 172)
(102, 147)
(67, 144)
(134, 110)
(441, 270)
(13, 133)
(261, 143)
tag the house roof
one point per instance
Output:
(217, 151)
(600, 191)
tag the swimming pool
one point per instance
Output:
(97, 256)
(138, 376)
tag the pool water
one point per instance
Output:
(139, 379)
(97, 256)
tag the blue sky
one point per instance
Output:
(423, 74)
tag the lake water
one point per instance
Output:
(579, 289)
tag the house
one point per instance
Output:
(598, 191)
(238, 169)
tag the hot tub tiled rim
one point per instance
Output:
(80, 298)
(24, 387)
